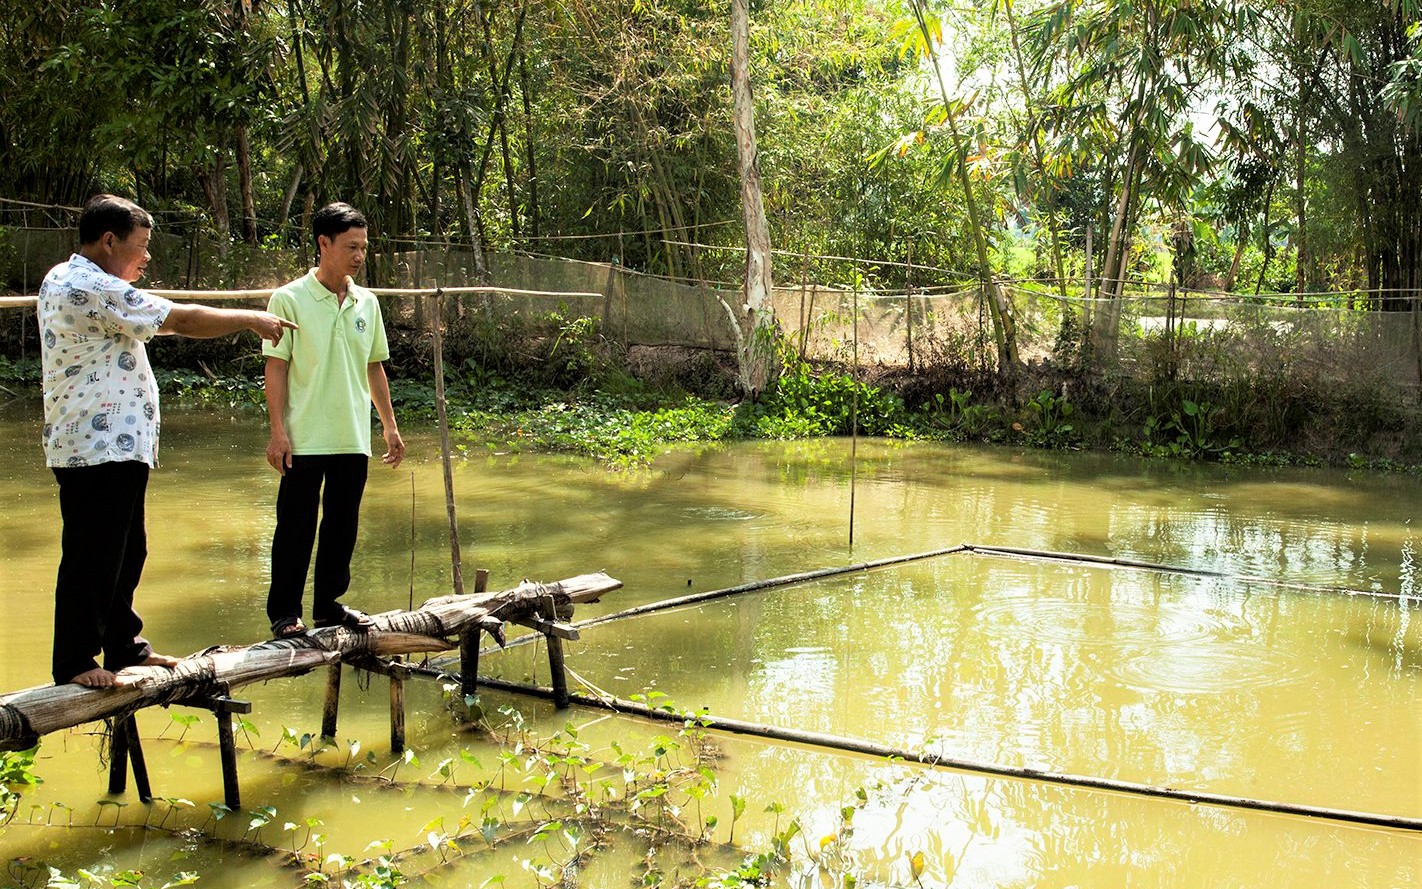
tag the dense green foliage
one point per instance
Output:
(1282, 136)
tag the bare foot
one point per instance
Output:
(98, 678)
(159, 660)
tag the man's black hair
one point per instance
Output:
(111, 213)
(333, 219)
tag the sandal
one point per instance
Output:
(350, 618)
(288, 628)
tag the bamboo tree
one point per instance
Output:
(1031, 107)
(1004, 326)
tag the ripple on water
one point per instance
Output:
(1088, 623)
(720, 514)
(1213, 668)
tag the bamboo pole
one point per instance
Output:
(27, 301)
(437, 325)
(32, 713)
(753, 586)
(854, 420)
(932, 760)
(1113, 562)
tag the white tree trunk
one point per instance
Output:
(756, 317)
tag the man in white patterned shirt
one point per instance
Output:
(101, 430)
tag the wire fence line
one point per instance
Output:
(1323, 340)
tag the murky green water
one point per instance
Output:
(1231, 687)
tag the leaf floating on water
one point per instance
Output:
(916, 865)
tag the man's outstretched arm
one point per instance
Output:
(205, 322)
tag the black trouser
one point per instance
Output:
(297, 501)
(103, 550)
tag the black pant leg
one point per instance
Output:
(98, 571)
(340, 522)
(298, 499)
(124, 645)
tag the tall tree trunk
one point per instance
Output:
(530, 161)
(471, 218)
(501, 96)
(755, 323)
(214, 185)
(1241, 241)
(291, 190)
(1113, 260)
(1030, 102)
(1267, 240)
(244, 185)
(1303, 260)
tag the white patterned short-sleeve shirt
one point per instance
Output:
(100, 398)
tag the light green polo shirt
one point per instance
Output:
(328, 392)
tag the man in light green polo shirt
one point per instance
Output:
(320, 387)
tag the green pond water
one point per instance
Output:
(1226, 685)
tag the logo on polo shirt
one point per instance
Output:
(360, 325)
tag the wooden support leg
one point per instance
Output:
(560, 675)
(469, 644)
(469, 661)
(231, 795)
(118, 754)
(135, 757)
(333, 702)
(397, 713)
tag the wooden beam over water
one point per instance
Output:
(27, 715)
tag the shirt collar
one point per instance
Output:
(84, 260)
(321, 291)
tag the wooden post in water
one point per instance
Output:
(231, 793)
(397, 709)
(118, 754)
(223, 706)
(469, 643)
(333, 701)
(558, 671)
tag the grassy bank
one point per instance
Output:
(591, 406)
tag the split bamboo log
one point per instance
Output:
(27, 715)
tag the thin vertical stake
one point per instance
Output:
(438, 323)
(854, 420)
(412, 540)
